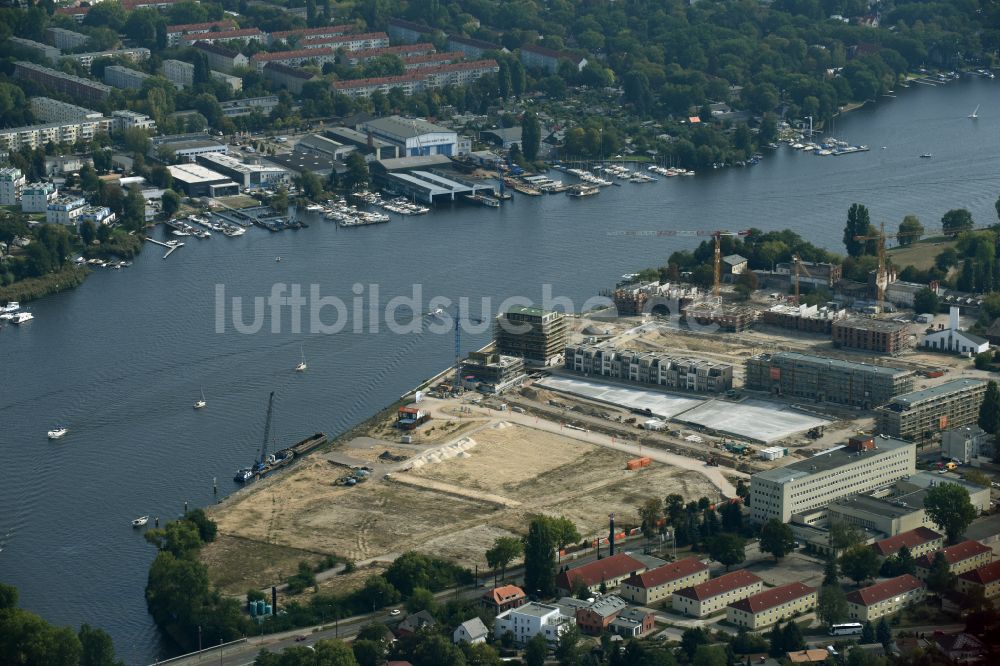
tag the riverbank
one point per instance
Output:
(30, 289)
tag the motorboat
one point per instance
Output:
(436, 312)
(200, 404)
(12, 306)
(926, 156)
(58, 433)
(243, 475)
(22, 318)
(140, 521)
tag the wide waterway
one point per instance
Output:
(121, 359)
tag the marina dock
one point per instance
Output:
(170, 245)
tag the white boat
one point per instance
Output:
(200, 404)
(140, 521)
(301, 367)
(12, 306)
(436, 312)
(58, 433)
(926, 155)
(975, 113)
(22, 317)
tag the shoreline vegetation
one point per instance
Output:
(29, 289)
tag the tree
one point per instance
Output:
(170, 203)
(691, 639)
(369, 652)
(727, 549)
(357, 172)
(946, 259)
(776, 538)
(859, 563)
(563, 530)
(310, 184)
(531, 136)
(910, 230)
(926, 300)
(844, 535)
(867, 633)
(539, 558)
(791, 637)
(883, 633)
(948, 505)
(97, 648)
(135, 209)
(858, 222)
(831, 606)
(333, 652)
(732, 516)
(536, 650)
(421, 599)
(710, 655)
(568, 649)
(650, 513)
(940, 579)
(775, 640)
(956, 221)
(746, 283)
(900, 563)
(989, 411)
(504, 551)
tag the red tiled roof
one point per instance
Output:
(218, 49)
(185, 27)
(957, 553)
(605, 569)
(355, 37)
(984, 575)
(667, 572)
(773, 597)
(459, 66)
(717, 586)
(379, 80)
(387, 50)
(873, 594)
(305, 32)
(910, 539)
(228, 34)
(431, 57)
(286, 55)
(504, 594)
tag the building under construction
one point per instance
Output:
(494, 372)
(650, 298)
(535, 335)
(654, 368)
(920, 415)
(807, 318)
(875, 335)
(733, 318)
(823, 379)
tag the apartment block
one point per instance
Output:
(472, 48)
(533, 618)
(176, 32)
(12, 183)
(656, 585)
(54, 111)
(431, 60)
(548, 59)
(891, 596)
(97, 215)
(221, 58)
(864, 464)
(137, 54)
(84, 91)
(919, 541)
(68, 133)
(875, 335)
(246, 34)
(536, 335)
(654, 368)
(808, 318)
(823, 379)
(50, 53)
(771, 606)
(962, 557)
(66, 39)
(714, 595)
(124, 77)
(309, 33)
(985, 578)
(493, 372)
(296, 58)
(401, 50)
(35, 197)
(292, 78)
(123, 119)
(417, 80)
(351, 42)
(922, 414)
(402, 30)
(609, 571)
(179, 73)
(64, 210)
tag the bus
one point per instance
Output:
(846, 629)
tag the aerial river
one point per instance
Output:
(121, 359)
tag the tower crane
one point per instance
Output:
(717, 235)
(799, 269)
(267, 433)
(457, 381)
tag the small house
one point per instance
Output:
(410, 417)
(471, 631)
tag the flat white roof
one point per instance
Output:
(194, 173)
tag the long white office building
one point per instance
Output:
(864, 464)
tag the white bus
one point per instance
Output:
(846, 629)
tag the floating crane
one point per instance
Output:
(717, 235)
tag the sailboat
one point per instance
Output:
(201, 403)
(975, 114)
(301, 367)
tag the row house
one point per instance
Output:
(176, 32)
(655, 368)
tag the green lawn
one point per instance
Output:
(920, 254)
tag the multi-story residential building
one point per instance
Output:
(12, 183)
(494, 373)
(919, 541)
(922, 414)
(179, 73)
(401, 50)
(176, 32)
(472, 48)
(35, 197)
(402, 30)
(408, 84)
(431, 60)
(890, 596)
(292, 78)
(417, 80)
(66, 39)
(876, 335)
(598, 616)
(656, 585)
(823, 379)
(64, 210)
(137, 54)
(123, 119)
(244, 107)
(307, 33)
(296, 58)
(97, 215)
(246, 34)
(503, 598)
(961, 557)
(54, 111)
(50, 53)
(536, 335)
(609, 571)
(540, 57)
(771, 606)
(864, 464)
(985, 578)
(350, 42)
(966, 443)
(714, 595)
(76, 13)
(247, 175)
(82, 90)
(235, 83)
(457, 73)
(221, 58)
(69, 133)
(124, 77)
(655, 368)
(533, 618)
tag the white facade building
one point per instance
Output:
(124, 77)
(54, 111)
(98, 215)
(179, 73)
(35, 197)
(65, 210)
(531, 619)
(123, 120)
(953, 339)
(39, 135)
(413, 135)
(11, 185)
